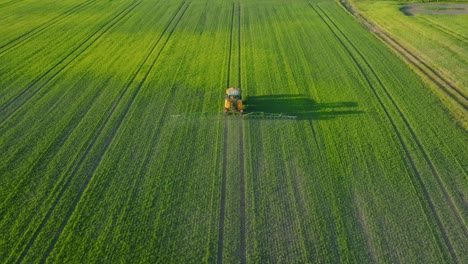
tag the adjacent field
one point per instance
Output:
(94, 167)
(438, 41)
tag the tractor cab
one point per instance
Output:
(233, 100)
(234, 93)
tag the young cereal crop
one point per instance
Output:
(114, 147)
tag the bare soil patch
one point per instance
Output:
(435, 9)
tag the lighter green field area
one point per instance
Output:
(94, 167)
(440, 39)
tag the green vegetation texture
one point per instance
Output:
(94, 167)
(440, 39)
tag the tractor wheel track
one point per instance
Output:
(43, 119)
(413, 134)
(242, 246)
(431, 74)
(66, 61)
(222, 209)
(421, 66)
(239, 43)
(116, 127)
(445, 30)
(228, 81)
(56, 144)
(410, 129)
(149, 153)
(33, 32)
(92, 144)
(420, 183)
(10, 3)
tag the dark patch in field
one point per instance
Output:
(299, 105)
(435, 9)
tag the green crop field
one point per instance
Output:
(436, 33)
(113, 148)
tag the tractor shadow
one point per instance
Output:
(299, 105)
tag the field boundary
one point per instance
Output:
(421, 184)
(71, 57)
(421, 66)
(92, 143)
(413, 134)
(415, 138)
(44, 26)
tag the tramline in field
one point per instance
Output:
(115, 145)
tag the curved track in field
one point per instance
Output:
(419, 182)
(110, 138)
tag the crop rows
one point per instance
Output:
(398, 124)
(419, 180)
(113, 149)
(107, 142)
(433, 49)
(33, 88)
(37, 30)
(445, 30)
(428, 71)
(438, 179)
(233, 131)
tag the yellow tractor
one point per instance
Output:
(233, 101)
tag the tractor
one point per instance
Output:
(233, 101)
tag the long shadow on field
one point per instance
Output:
(299, 105)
